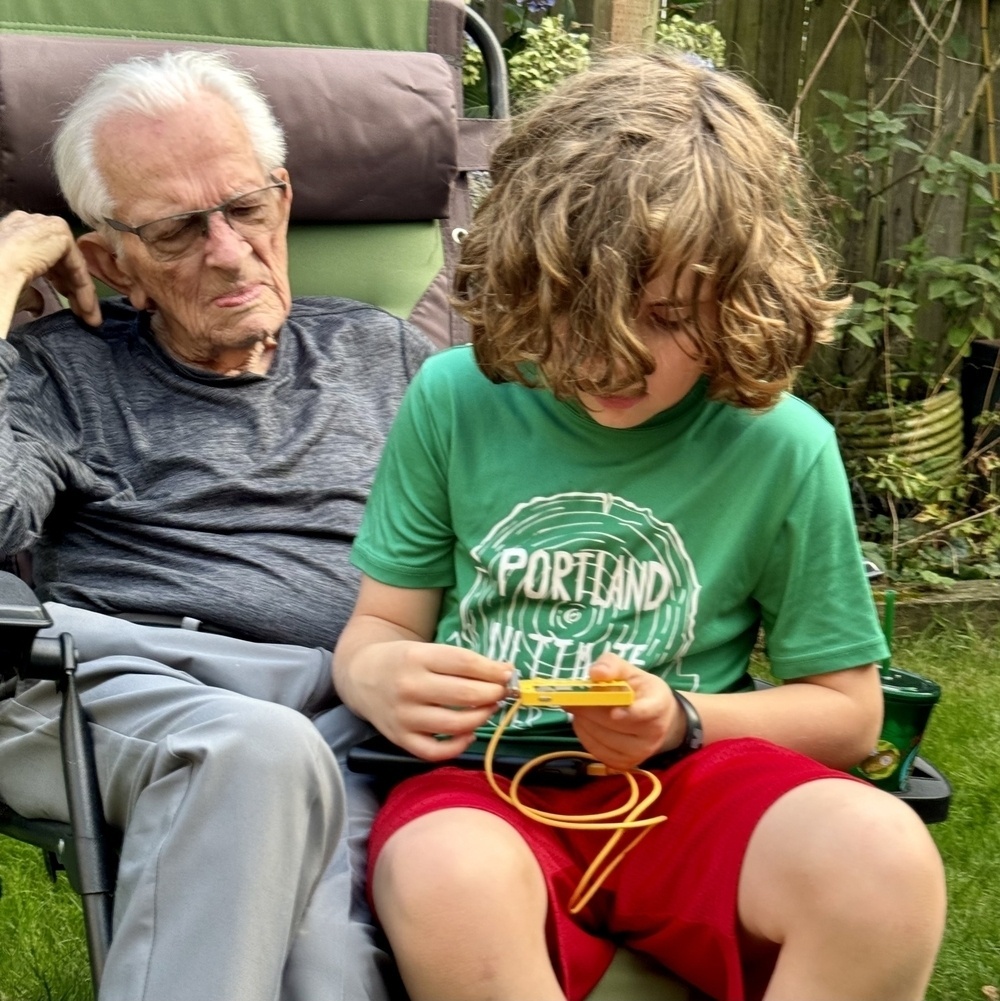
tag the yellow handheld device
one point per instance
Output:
(571, 692)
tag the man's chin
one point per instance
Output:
(257, 327)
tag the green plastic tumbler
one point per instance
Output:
(909, 701)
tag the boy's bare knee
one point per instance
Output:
(452, 853)
(838, 854)
(469, 875)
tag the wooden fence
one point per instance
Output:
(939, 56)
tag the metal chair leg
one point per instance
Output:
(90, 834)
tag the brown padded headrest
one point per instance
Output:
(372, 135)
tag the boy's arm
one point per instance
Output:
(387, 670)
(834, 718)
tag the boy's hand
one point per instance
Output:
(435, 689)
(624, 736)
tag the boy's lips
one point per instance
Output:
(618, 402)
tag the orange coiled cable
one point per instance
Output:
(630, 813)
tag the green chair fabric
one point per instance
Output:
(634, 978)
(368, 24)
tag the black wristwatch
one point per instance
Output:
(693, 739)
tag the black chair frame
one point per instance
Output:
(84, 847)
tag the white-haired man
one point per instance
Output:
(202, 452)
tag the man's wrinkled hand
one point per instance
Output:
(35, 246)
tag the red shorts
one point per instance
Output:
(674, 897)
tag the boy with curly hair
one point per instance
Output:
(614, 483)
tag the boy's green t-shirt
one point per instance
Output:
(671, 544)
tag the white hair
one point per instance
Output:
(151, 86)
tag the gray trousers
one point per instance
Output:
(243, 855)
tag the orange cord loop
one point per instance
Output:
(630, 813)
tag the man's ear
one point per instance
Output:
(105, 265)
(280, 174)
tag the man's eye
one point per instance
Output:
(247, 211)
(174, 230)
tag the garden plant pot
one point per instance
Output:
(926, 436)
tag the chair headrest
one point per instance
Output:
(372, 135)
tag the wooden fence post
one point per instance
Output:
(625, 22)
(493, 12)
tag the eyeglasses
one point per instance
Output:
(249, 215)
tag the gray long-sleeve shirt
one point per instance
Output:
(142, 484)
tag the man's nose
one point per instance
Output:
(223, 244)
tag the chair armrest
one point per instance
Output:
(927, 791)
(21, 616)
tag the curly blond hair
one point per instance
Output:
(642, 163)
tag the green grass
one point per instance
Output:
(962, 741)
(43, 956)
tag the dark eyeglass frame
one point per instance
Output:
(201, 215)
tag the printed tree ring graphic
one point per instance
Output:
(561, 579)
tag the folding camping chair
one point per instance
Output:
(368, 92)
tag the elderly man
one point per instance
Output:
(202, 452)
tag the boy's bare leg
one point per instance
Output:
(847, 881)
(463, 902)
